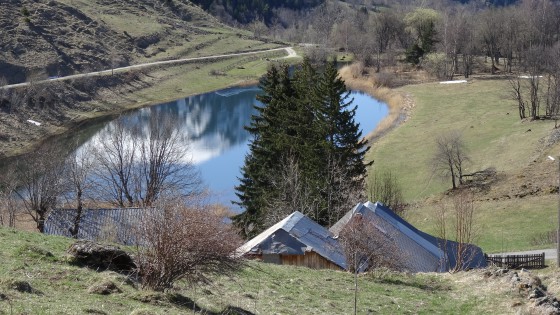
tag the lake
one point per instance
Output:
(214, 124)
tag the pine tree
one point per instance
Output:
(343, 147)
(271, 133)
(308, 117)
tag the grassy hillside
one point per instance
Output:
(53, 38)
(520, 202)
(60, 37)
(57, 287)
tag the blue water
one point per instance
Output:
(214, 123)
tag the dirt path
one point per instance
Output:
(291, 53)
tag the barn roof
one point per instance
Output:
(295, 235)
(426, 249)
(116, 225)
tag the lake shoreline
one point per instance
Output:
(400, 104)
(11, 151)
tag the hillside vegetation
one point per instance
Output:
(517, 205)
(37, 277)
(53, 38)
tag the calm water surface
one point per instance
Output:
(214, 123)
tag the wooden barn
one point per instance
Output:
(296, 240)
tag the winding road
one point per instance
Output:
(289, 50)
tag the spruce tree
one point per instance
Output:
(310, 118)
(271, 131)
(343, 170)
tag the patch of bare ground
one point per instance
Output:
(538, 178)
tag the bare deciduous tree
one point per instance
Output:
(294, 193)
(368, 244)
(163, 163)
(450, 156)
(41, 183)
(79, 168)
(138, 165)
(116, 155)
(8, 203)
(517, 94)
(341, 192)
(184, 241)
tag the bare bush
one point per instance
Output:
(179, 241)
(460, 225)
(368, 244)
(385, 188)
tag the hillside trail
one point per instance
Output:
(291, 53)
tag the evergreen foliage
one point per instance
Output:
(246, 11)
(308, 117)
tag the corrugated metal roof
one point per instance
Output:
(302, 231)
(114, 224)
(426, 249)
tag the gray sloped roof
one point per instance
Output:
(295, 235)
(426, 249)
(117, 225)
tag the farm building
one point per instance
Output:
(115, 225)
(421, 252)
(296, 240)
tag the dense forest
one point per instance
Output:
(246, 11)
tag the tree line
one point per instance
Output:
(306, 153)
(447, 40)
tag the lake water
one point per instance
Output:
(214, 123)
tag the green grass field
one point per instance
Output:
(59, 287)
(495, 137)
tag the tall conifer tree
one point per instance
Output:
(343, 170)
(309, 117)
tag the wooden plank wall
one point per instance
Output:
(310, 259)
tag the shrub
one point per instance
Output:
(178, 241)
(369, 243)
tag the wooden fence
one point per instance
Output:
(534, 261)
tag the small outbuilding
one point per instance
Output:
(296, 240)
